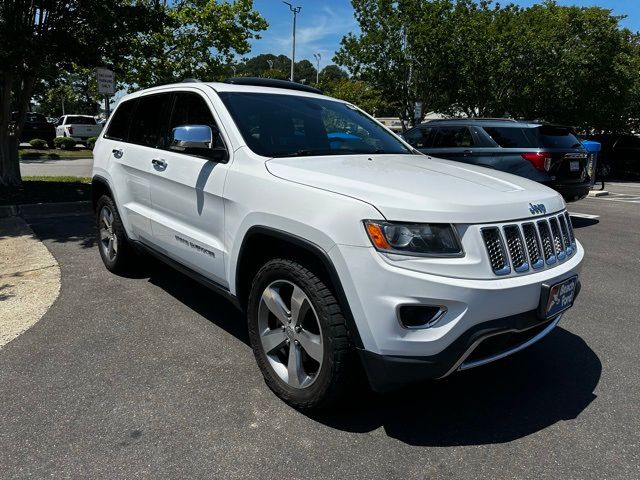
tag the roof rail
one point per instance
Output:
(191, 80)
(271, 82)
(473, 119)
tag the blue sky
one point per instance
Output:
(322, 23)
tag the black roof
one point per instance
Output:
(273, 83)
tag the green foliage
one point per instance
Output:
(197, 39)
(38, 39)
(358, 93)
(77, 90)
(571, 65)
(39, 144)
(91, 142)
(64, 143)
(331, 73)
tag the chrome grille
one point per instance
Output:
(495, 249)
(557, 238)
(533, 245)
(516, 248)
(570, 228)
(529, 245)
(566, 241)
(547, 243)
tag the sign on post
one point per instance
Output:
(106, 81)
(417, 111)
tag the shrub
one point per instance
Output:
(64, 143)
(91, 142)
(39, 144)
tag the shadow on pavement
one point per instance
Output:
(547, 383)
(580, 222)
(62, 229)
(199, 298)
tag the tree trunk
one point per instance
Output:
(9, 162)
(10, 130)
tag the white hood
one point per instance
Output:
(417, 188)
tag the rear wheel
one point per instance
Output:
(115, 250)
(299, 335)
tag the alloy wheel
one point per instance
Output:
(108, 238)
(290, 333)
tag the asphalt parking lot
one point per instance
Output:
(152, 377)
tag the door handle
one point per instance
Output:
(117, 152)
(158, 162)
(466, 153)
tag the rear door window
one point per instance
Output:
(510, 137)
(119, 125)
(149, 120)
(453, 137)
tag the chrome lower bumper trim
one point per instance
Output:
(483, 361)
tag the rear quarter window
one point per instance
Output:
(511, 137)
(556, 137)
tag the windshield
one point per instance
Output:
(80, 120)
(275, 125)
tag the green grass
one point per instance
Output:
(47, 190)
(54, 154)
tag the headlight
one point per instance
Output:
(419, 239)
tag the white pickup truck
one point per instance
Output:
(78, 127)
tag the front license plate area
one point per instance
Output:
(557, 298)
(574, 166)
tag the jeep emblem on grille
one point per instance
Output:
(537, 209)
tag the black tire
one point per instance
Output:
(338, 368)
(124, 259)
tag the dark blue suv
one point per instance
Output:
(548, 154)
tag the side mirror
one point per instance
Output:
(197, 140)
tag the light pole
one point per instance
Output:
(317, 56)
(270, 63)
(295, 11)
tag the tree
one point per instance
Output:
(197, 39)
(571, 65)
(78, 91)
(358, 93)
(331, 73)
(37, 37)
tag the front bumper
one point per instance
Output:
(482, 344)
(376, 287)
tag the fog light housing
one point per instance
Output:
(420, 316)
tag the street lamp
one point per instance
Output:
(270, 63)
(295, 11)
(317, 56)
(233, 69)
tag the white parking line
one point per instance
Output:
(621, 197)
(583, 215)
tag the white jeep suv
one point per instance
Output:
(344, 246)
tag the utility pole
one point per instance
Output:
(295, 11)
(317, 56)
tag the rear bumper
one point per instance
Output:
(572, 191)
(481, 344)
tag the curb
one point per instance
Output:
(598, 193)
(36, 209)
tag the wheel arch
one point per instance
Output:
(262, 243)
(99, 186)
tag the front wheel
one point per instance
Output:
(299, 335)
(115, 250)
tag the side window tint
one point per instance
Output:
(419, 137)
(192, 109)
(119, 126)
(148, 121)
(453, 137)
